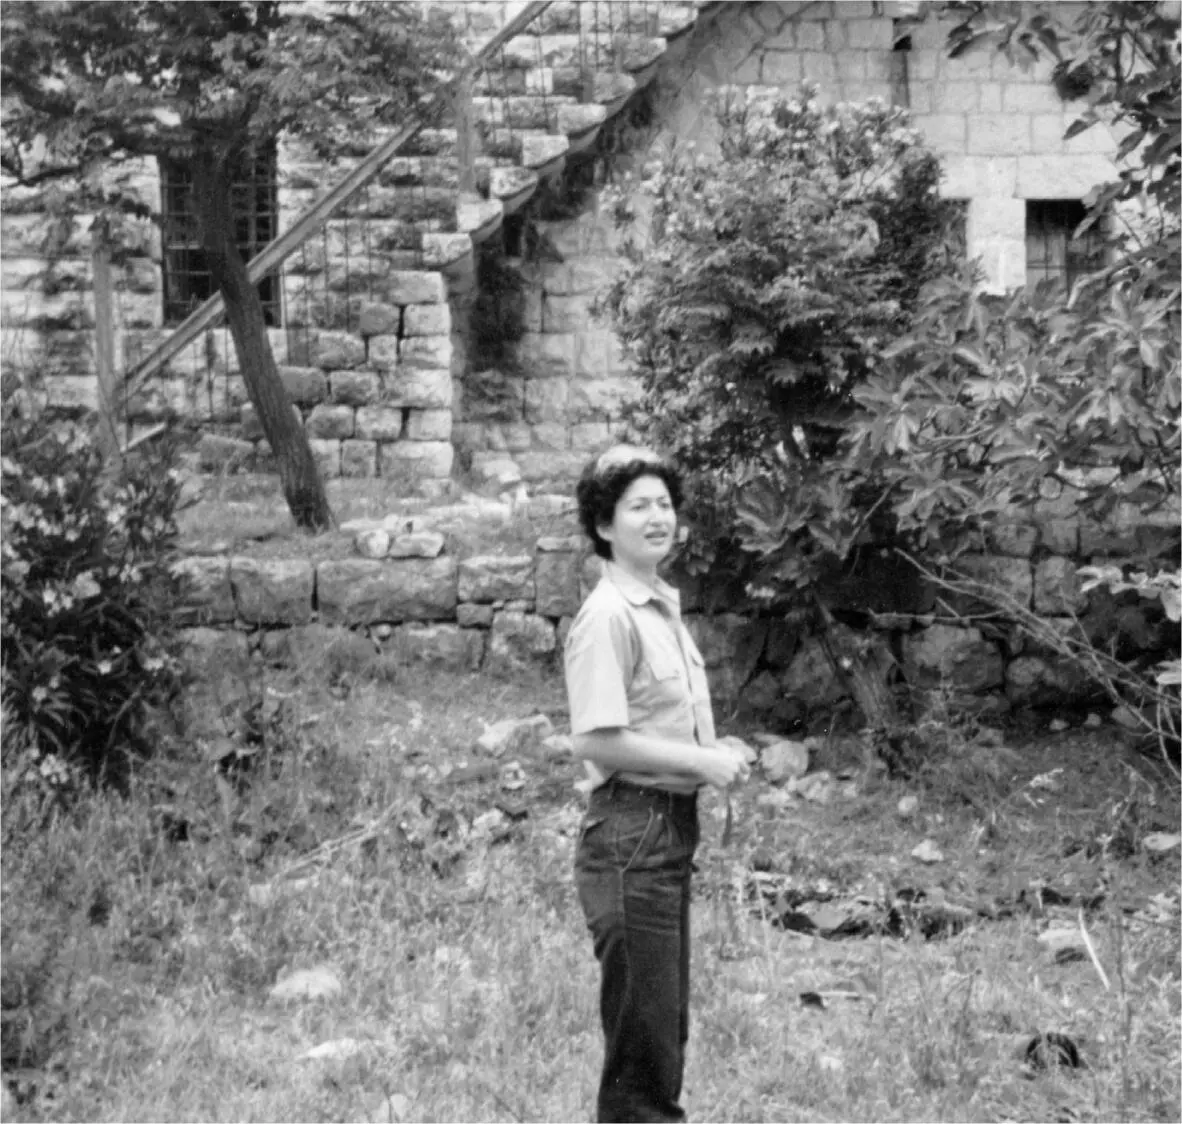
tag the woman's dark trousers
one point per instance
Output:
(632, 870)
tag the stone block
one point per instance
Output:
(1046, 132)
(273, 591)
(565, 314)
(1062, 177)
(359, 459)
(870, 34)
(820, 67)
(1014, 540)
(428, 425)
(426, 320)
(335, 351)
(598, 354)
(1020, 98)
(379, 319)
(546, 399)
(960, 658)
(546, 356)
(358, 591)
(1061, 536)
(416, 460)
(216, 453)
(73, 393)
(1012, 578)
(999, 134)
(587, 277)
(548, 437)
(416, 544)
(496, 577)
(957, 97)
(416, 287)
(439, 645)
(328, 456)
(602, 399)
(968, 176)
(378, 423)
(206, 594)
(330, 422)
(557, 582)
(550, 467)
(383, 352)
(780, 68)
(474, 616)
(423, 389)
(354, 388)
(211, 653)
(1042, 680)
(305, 386)
(429, 353)
(946, 133)
(1056, 587)
(519, 640)
(810, 37)
(590, 436)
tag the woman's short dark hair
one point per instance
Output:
(600, 488)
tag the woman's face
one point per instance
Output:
(643, 526)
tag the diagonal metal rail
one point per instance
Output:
(275, 253)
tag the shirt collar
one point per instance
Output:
(640, 593)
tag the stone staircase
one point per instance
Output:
(546, 97)
(369, 355)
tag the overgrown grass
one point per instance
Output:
(142, 937)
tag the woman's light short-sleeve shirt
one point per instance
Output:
(631, 662)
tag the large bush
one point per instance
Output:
(770, 277)
(88, 595)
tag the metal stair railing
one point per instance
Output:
(277, 252)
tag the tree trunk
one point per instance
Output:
(302, 486)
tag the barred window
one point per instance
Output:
(255, 202)
(1052, 250)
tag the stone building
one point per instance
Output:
(440, 325)
(381, 320)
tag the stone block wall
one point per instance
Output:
(367, 349)
(403, 595)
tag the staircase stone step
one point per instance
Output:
(512, 185)
(579, 120)
(533, 148)
(521, 112)
(479, 218)
(416, 171)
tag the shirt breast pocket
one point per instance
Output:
(665, 668)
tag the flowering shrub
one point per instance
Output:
(86, 603)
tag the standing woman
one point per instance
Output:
(641, 720)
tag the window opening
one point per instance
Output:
(1053, 252)
(255, 205)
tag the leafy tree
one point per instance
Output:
(94, 84)
(774, 274)
(987, 402)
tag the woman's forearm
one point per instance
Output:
(620, 748)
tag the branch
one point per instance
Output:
(44, 175)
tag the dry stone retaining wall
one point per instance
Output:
(404, 597)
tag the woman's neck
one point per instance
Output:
(647, 576)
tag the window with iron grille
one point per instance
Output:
(1052, 249)
(255, 202)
